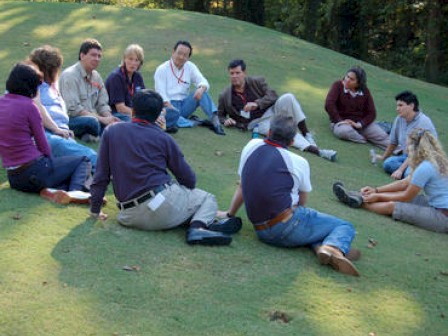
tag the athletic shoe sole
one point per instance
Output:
(343, 196)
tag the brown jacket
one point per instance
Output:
(259, 88)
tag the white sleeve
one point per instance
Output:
(160, 82)
(197, 79)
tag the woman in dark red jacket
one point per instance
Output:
(352, 111)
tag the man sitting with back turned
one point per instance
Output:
(148, 198)
(249, 102)
(173, 79)
(84, 94)
(274, 187)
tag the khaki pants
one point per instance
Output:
(285, 104)
(181, 204)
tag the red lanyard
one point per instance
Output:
(140, 121)
(94, 84)
(179, 78)
(272, 143)
(129, 84)
(243, 97)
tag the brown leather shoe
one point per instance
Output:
(329, 255)
(55, 195)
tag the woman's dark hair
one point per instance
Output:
(23, 80)
(361, 77)
(49, 60)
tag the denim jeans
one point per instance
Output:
(392, 163)
(186, 107)
(308, 227)
(69, 147)
(85, 124)
(67, 172)
(121, 116)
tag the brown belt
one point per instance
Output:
(281, 217)
(23, 167)
(444, 211)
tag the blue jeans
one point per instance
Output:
(67, 172)
(69, 147)
(310, 227)
(121, 116)
(392, 163)
(186, 107)
(85, 124)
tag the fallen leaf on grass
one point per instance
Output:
(279, 316)
(445, 273)
(133, 268)
(372, 243)
(26, 44)
(219, 153)
(44, 283)
(372, 333)
(17, 216)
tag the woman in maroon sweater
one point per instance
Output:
(352, 113)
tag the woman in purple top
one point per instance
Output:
(352, 113)
(24, 150)
(124, 81)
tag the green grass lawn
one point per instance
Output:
(61, 273)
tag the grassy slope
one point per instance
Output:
(60, 273)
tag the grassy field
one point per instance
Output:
(61, 273)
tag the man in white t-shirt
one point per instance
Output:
(173, 80)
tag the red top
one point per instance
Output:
(342, 105)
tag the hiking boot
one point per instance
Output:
(329, 255)
(309, 137)
(328, 154)
(352, 198)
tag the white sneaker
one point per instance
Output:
(328, 154)
(310, 139)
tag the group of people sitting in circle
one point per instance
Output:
(42, 113)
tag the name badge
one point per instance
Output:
(245, 114)
(156, 202)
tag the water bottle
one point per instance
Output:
(373, 157)
(256, 132)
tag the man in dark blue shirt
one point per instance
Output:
(274, 187)
(138, 156)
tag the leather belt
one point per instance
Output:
(139, 200)
(444, 211)
(283, 216)
(23, 167)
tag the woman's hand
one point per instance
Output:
(367, 190)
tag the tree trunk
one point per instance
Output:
(433, 41)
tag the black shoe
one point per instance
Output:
(172, 129)
(351, 198)
(196, 120)
(217, 128)
(207, 237)
(227, 225)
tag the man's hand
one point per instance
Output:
(229, 122)
(222, 214)
(199, 92)
(100, 216)
(64, 133)
(250, 106)
(108, 120)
